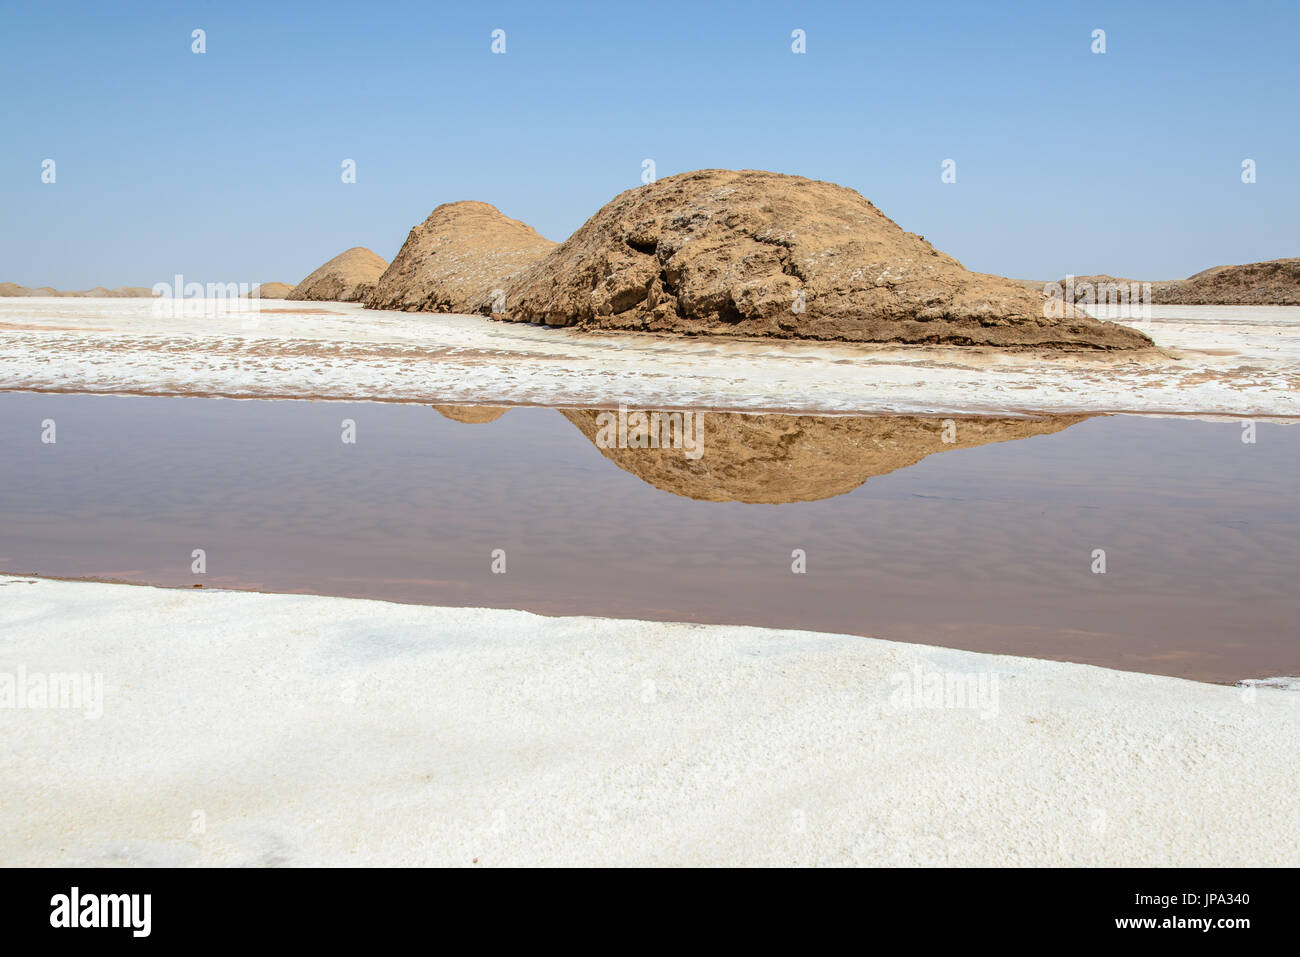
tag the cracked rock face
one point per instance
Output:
(457, 260)
(751, 253)
(348, 277)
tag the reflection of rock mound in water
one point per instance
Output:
(751, 253)
(770, 459)
(472, 414)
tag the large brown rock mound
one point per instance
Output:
(348, 277)
(457, 259)
(772, 459)
(751, 253)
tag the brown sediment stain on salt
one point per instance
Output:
(304, 312)
(34, 327)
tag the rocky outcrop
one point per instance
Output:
(752, 253)
(271, 290)
(457, 260)
(348, 277)
(1276, 282)
(1272, 283)
(771, 459)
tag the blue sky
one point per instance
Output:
(226, 166)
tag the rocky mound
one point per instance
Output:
(472, 414)
(752, 253)
(1272, 283)
(348, 277)
(456, 259)
(771, 459)
(271, 290)
(1276, 282)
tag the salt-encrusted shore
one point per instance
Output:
(251, 729)
(1233, 360)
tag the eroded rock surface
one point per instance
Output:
(752, 253)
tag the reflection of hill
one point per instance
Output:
(771, 459)
(472, 414)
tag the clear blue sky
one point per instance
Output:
(226, 166)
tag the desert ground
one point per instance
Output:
(1208, 360)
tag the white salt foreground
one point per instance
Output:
(247, 729)
(1228, 360)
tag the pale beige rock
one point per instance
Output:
(457, 259)
(752, 253)
(348, 277)
(271, 290)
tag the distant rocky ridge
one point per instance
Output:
(348, 277)
(267, 290)
(1275, 282)
(457, 260)
(13, 290)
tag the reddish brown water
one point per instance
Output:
(986, 548)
